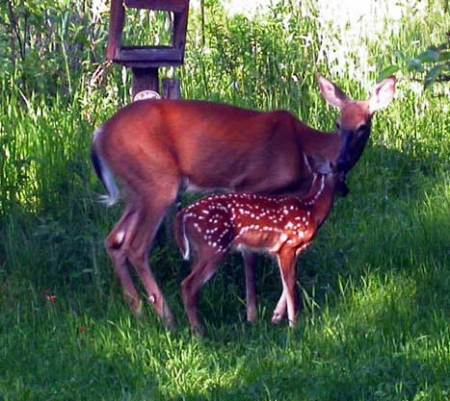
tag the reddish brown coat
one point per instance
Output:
(157, 148)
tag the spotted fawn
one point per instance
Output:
(282, 226)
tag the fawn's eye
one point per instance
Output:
(338, 125)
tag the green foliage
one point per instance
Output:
(47, 46)
(432, 65)
(438, 57)
(375, 285)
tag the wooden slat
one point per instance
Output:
(149, 54)
(149, 64)
(162, 5)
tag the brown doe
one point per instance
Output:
(157, 148)
(281, 226)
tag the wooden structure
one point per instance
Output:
(145, 61)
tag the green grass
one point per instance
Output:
(375, 285)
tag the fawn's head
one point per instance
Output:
(354, 123)
(332, 172)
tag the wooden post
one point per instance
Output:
(171, 90)
(144, 79)
(116, 24)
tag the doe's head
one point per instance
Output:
(354, 123)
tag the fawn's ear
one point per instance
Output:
(383, 94)
(331, 92)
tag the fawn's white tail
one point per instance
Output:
(181, 237)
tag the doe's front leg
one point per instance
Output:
(250, 260)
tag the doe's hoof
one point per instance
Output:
(198, 331)
(136, 307)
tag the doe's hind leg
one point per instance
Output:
(151, 213)
(116, 247)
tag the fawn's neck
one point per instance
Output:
(320, 197)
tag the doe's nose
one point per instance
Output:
(343, 163)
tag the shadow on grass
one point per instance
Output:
(376, 329)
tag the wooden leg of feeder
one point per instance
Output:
(145, 79)
(171, 89)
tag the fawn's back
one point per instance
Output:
(253, 221)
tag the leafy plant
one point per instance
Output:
(434, 63)
(430, 66)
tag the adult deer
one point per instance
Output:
(156, 148)
(281, 226)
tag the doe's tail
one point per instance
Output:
(105, 174)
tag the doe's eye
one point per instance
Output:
(362, 128)
(338, 125)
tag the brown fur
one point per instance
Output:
(158, 147)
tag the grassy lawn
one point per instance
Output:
(375, 285)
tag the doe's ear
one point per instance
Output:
(331, 92)
(383, 94)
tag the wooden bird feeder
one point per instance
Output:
(146, 60)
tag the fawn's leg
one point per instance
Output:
(286, 261)
(279, 312)
(202, 272)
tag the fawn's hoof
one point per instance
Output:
(277, 318)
